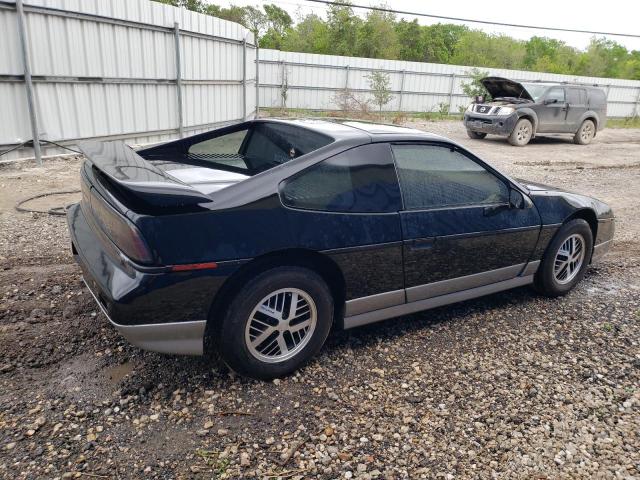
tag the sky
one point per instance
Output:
(615, 16)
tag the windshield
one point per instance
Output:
(535, 90)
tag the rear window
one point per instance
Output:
(258, 148)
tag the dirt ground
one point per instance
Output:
(508, 386)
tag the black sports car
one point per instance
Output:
(255, 239)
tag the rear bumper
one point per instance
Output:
(182, 338)
(164, 312)
(493, 124)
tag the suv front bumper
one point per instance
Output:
(493, 124)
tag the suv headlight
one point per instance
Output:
(505, 111)
(470, 107)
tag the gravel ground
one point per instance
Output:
(509, 386)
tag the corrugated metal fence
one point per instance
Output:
(312, 81)
(119, 69)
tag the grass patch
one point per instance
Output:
(629, 122)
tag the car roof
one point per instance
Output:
(348, 129)
(560, 84)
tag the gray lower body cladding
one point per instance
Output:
(493, 124)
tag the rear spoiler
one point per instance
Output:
(138, 177)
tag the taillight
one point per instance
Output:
(121, 231)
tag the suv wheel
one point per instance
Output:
(276, 323)
(585, 133)
(476, 135)
(565, 260)
(522, 133)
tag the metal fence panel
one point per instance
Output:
(314, 80)
(107, 69)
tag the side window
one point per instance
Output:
(433, 176)
(583, 97)
(360, 180)
(576, 96)
(557, 93)
(221, 150)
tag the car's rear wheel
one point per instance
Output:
(566, 259)
(276, 323)
(522, 133)
(476, 135)
(585, 133)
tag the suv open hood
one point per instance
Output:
(503, 87)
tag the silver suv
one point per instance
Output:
(522, 110)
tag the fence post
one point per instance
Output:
(257, 79)
(346, 77)
(453, 83)
(176, 31)
(33, 117)
(244, 78)
(282, 101)
(401, 90)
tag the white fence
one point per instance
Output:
(146, 72)
(312, 82)
(118, 69)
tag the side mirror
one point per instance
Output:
(516, 199)
(549, 101)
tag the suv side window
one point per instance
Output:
(360, 180)
(435, 176)
(576, 96)
(557, 93)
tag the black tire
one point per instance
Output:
(476, 135)
(545, 280)
(585, 133)
(230, 335)
(522, 133)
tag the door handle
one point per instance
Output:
(423, 243)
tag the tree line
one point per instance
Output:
(383, 35)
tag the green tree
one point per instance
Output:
(474, 87)
(279, 23)
(193, 5)
(342, 29)
(440, 41)
(310, 35)
(380, 85)
(410, 38)
(381, 35)
(377, 37)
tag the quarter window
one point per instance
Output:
(434, 176)
(360, 180)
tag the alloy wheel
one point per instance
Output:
(281, 325)
(523, 133)
(587, 132)
(569, 259)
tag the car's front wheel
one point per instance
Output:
(522, 133)
(566, 259)
(476, 135)
(276, 323)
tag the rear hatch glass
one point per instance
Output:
(212, 161)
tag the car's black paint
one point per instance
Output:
(375, 252)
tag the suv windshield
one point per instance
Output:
(535, 90)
